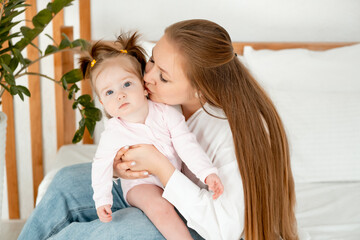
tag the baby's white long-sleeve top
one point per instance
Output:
(166, 129)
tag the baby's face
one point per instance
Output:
(121, 92)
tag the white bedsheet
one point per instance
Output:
(324, 210)
(329, 210)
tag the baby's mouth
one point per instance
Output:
(124, 105)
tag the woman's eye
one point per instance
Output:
(127, 84)
(109, 92)
(163, 79)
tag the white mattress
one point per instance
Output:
(324, 210)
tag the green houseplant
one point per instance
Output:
(13, 65)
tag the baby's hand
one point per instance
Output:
(104, 213)
(215, 185)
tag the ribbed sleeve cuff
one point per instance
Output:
(179, 189)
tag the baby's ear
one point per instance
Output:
(146, 92)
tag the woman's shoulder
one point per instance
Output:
(209, 117)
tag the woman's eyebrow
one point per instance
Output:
(161, 69)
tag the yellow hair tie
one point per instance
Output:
(93, 63)
(123, 51)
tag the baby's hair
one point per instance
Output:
(125, 46)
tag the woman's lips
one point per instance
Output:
(150, 92)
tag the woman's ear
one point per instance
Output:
(146, 93)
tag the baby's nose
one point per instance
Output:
(121, 95)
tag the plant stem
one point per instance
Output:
(2, 92)
(2, 9)
(38, 74)
(36, 60)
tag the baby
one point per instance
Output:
(116, 72)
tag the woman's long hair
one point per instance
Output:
(260, 142)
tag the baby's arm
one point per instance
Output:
(191, 153)
(102, 171)
(215, 185)
(104, 213)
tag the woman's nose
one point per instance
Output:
(149, 76)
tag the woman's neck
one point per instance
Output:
(189, 109)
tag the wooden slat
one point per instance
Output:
(67, 59)
(85, 33)
(35, 106)
(10, 157)
(58, 22)
(317, 46)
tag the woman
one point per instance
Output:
(193, 65)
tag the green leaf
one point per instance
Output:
(72, 76)
(51, 49)
(9, 17)
(82, 122)
(85, 100)
(78, 135)
(57, 5)
(28, 33)
(13, 63)
(80, 42)
(90, 125)
(6, 68)
(10, 79)
(4, 39)
(24, 90)
(75, 104)
(42, 18)
(4, 86)
(18, 55)
(93, 113)
(36, 47)
(15, 90)
(73, 89)
(5, 59)
(27, 61)
(50, 38)
(7, 29)
(64, 83)
(65, 43)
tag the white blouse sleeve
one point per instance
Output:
(222, 218)
(186, 145)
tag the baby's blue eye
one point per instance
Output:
(109, 92)
(127, 84)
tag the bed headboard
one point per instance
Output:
(65, 115)
(316, 46)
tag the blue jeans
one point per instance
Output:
(67, 211)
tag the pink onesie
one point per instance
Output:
(166, 129)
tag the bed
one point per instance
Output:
(317, 94)
(316, 88)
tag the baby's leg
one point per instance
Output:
(148, 198)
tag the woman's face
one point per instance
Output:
(164, 77)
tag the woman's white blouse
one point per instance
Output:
(222, 218)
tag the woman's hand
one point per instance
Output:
(122, 168)
(145, 157)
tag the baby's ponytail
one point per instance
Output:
(126, 45)
(130, 44)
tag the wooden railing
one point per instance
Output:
(65, 118)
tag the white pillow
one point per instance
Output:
(317, 94)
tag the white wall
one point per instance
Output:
(251, 20)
